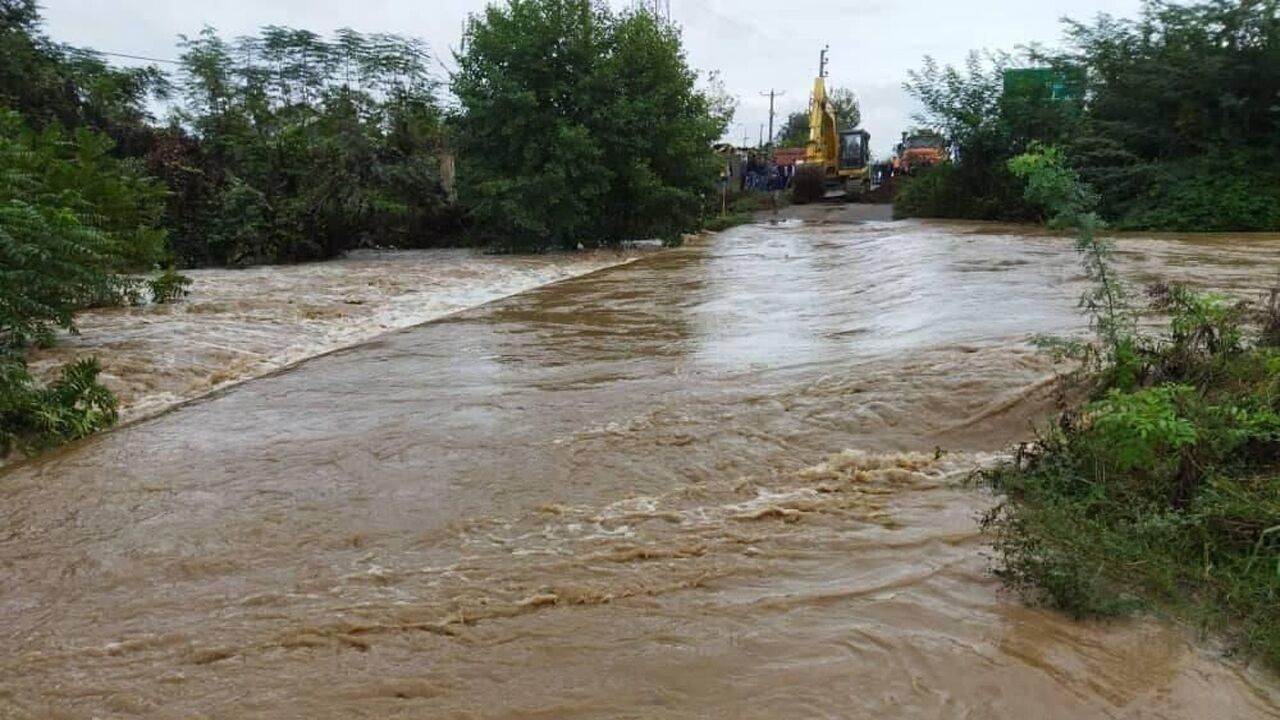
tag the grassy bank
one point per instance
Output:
(1161, 491)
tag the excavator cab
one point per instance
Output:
(855, 149)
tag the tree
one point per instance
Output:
(795, 132)
(964, 105)
(50, 83)
(1183, 93)
(301, 147)
(581, 125)
(72, 220)
(844, 102)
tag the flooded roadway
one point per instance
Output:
(705, 484)
(241, 323)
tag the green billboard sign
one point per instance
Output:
(1045, 83)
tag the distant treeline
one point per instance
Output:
(575, 126)
(1176, 125)
(288, 146)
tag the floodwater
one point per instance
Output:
(242, 323)
(725, 481)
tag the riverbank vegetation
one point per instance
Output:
(1173, 118)
(580, 125)
(1161, 491)
(576, 126)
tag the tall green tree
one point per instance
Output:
(295, 147)
(581, 125)
(48, 83)
(73, 220)
(795, 131)
(844, 102)
(964, 105)
(1183, 125)
(1177, 127)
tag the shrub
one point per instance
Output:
(35, 417)
(72, 221)
(169, 286)
(1232, 194)
(1163, 491)
(952, 190)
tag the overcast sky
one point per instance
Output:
(755, 44)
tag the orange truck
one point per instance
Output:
(919, 149)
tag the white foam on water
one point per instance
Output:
(241, 324)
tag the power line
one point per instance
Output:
(131, 57)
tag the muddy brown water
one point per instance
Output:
(700, 485)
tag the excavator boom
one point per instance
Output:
(840, 158)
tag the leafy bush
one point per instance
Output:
(1163, 491)
(581, 125)
(169, 286)
(953, 190)
(300, 147)
(33, 418)
(72, 219)
(1209, 195)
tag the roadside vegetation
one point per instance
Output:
(577, 126)
(1161, 490)
(580, 125)
(1172, 118)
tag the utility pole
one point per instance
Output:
(773, 94)
(761, 143)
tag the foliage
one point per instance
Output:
(964, 106)
(844, 103)
(1068, 202)
(953, 190)
(169, 286)
(1211, 194)
(755, 201)
(1163, 491)
(300, 147)
(581, 125)
(48, 83)
(72, 219)
(795, 131)
(1178, 130)
(35, 417)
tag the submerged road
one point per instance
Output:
(704, 484)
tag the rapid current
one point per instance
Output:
(723, 481)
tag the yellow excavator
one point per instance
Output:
(837, 159)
